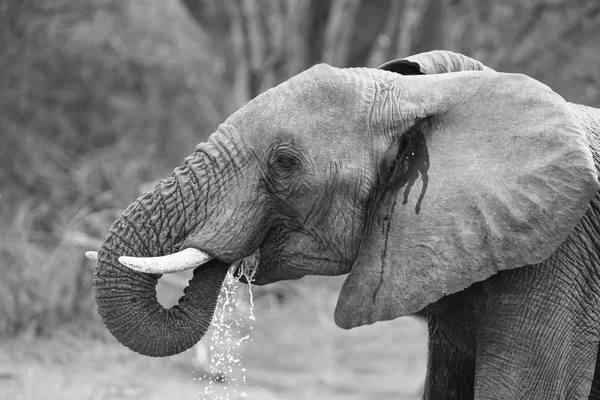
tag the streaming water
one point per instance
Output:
(225, 378)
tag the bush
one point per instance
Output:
(96, 98)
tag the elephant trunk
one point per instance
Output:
(155, 225)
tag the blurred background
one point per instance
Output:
(101, 98)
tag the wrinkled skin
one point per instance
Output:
(524, 333)
(421, 188)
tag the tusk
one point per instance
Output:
(92, 255)
(176, 262)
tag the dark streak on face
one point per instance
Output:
(412, 159)
(419, 161)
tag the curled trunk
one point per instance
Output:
(127, 303)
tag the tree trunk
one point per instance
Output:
(432, 28)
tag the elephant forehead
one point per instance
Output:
(299, 102)
(325, 116)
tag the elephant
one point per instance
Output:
(435, 183)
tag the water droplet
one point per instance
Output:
(228, 331)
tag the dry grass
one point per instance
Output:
(294, 352)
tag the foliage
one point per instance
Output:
(94, 102)
(98, 97)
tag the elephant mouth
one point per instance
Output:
(245, 269)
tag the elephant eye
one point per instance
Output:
(286, 161)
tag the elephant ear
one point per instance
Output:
(485, 172)
(434, 62)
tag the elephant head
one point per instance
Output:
(417, 186)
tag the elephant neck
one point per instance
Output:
(589, 118)
(589, 227)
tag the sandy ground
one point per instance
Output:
(291, 351)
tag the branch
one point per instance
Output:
(387, 40)
(432, 24)
(297, 19)
(338, 32)
(241, 86)
(408, 28)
